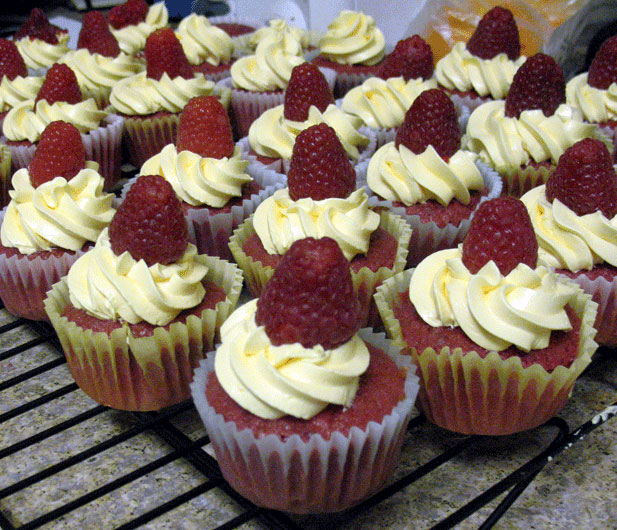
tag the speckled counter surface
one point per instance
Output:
(574, 490)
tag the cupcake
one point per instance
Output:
(132, 22)
(98, 62)
(425, 177)
(279, 27)
(216, 186)
(60, 98)
(523, 136)
(306, 414)
(483, 69)
(151, 101)
(322, 200)
(308, 101)
(575, 220)
(57, 210)
(137, 313)
(353, 46)
(498, 338)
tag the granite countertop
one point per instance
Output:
(575, 489)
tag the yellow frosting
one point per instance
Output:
(272, 135)
(567, 240)
(493, 310)
(112, 287)
(133, 38)
(402, 176)
(18, 90)
(384, 102)
(597, 105)
(197, 180)
(202, 42)
(272, 381)
(142, 95)
(271, 65)
(507, 143)
(460, 70)
(279, 26)
(40, 54)
(27, 122)
(57, 213)
(353, 38)
(279, 221)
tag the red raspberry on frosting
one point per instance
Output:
(307, 86)
(60, 85)
(496, 33)
(11, 62)
(38, 27)
(412, 58)
(603, 69)
(164, 54)
(96, 37)
(128, 14)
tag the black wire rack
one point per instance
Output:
(70, 441)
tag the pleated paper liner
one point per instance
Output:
(462, 392)
(143, 373)
(5, 175)
(314, 475)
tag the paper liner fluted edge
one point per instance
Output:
(5, 174)
(316, 475)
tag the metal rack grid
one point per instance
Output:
(57, 463)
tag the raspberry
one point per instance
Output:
(11, 62)
(164, 53)
(130, 13)
(149, 223)
(38, 27)
(603, 69)
(412, 58)
(307, 86)
(431, 120)
(584, 179)
(538, 84)
(501, 231)
(205, 129)
(59, 153)
(496, 33)
(96, 37)
(319, 167)
(60, 85)
(310, 298)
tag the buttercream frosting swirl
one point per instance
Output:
(460, 70)
(494, 311)
(280, 221)
(25, 121)
(132, 38)
(567, 240)
(597, 105)
(58, 213)
(273, 135)
(507, 143)
(142, 95)
(18, 90)
(273, 381)
(398, 174)
(112, 287)
(203, 42)
(200, 180)
(40, 54)
(353, 38)
(279, 26)
(382, 103)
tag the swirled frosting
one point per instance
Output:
(40, 54)
(279, 26)
(18, 90)
(27, 122)
(382, 103)
(203, 42)
(460, 70)
(95, 71)
(273, 381)
(567, 240)
(58, 213)
(132, 39)
(272, 135)
(198, 180)
(142, 95)
(493, 310)
(112, 287)
(353, 38)
(271, 65)
(279, 221)
(507, 143)
(398, 174)
(596, 104)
